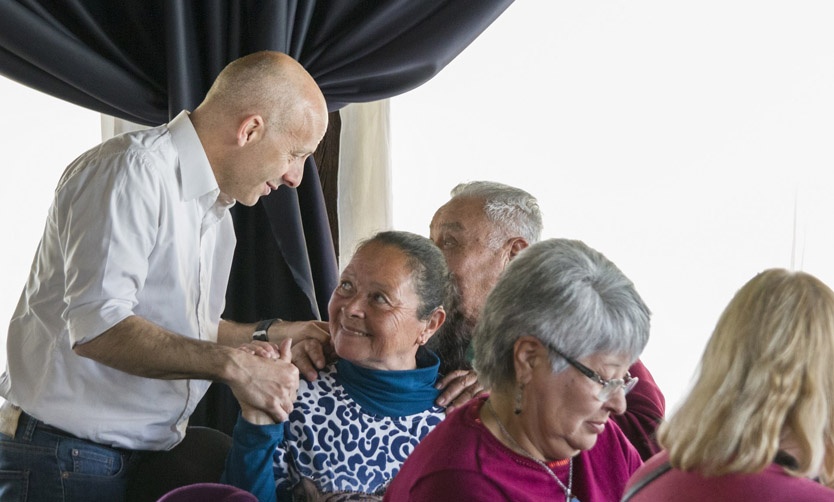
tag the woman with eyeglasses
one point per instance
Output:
(759, 421)
(554, 343)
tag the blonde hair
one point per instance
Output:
(765, 375)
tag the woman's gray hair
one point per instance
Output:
(567, 295)
(513, 210)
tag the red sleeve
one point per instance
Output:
(645, 410)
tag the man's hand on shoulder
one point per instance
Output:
(298, 331)
(310, 355)
(457, 388)
(312, 347)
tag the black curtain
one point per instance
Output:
(145, 60)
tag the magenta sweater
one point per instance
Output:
(771, 484)
(646, 407)
(461, 460)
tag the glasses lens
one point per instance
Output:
(609, 388)
(629, 385)
(612, 386)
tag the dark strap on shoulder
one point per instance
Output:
(648, 478)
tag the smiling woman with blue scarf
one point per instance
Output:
(353, 427)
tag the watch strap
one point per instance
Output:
(262, 329)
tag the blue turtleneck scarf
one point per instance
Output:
(392, 393)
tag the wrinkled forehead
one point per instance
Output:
(459, 214)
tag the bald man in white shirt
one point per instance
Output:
(118, 332)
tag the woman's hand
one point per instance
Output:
(281, 355)
(267, 350)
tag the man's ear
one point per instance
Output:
(432, 325)
(517, 244)
(512, 247)
(251, 129)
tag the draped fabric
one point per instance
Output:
(145, 60)
(365, 201)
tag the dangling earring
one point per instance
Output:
(518, 397)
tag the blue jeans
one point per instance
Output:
(44, 464)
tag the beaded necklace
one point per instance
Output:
(567, 489)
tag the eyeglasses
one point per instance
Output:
(609, 387)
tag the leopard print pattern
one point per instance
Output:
(330, 441)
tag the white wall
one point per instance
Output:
(39, 136)
(675, 137)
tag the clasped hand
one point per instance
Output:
(269, 397)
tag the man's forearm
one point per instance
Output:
(140, 347)
(234, 334)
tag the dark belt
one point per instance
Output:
(27, 422)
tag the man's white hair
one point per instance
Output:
(514, 211)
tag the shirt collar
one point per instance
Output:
(197, 176)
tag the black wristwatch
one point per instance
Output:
(262, 328)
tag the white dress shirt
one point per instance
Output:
(138, 226)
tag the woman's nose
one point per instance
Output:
(616, 403)
(353, 307)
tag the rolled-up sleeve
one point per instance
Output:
(107, 235)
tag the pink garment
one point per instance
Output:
(461, 460)
(208, 492)
(646, 406)
(772, 484)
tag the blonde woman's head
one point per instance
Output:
(764, 381)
